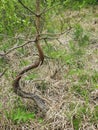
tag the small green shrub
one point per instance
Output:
(20, 115)
(80, 35)
(76, 122)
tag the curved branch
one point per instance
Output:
(27, 7)
(17, 89)
(16, 47)
(47, 9)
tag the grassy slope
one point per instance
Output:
(71, 92)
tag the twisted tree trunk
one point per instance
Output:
(17, 89)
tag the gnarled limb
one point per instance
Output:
(17, 89)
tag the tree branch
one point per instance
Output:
(17, 88)
(12, 49)
(47, 9)
(26, 7)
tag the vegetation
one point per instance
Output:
(64, 81)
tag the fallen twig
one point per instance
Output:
(1, 74)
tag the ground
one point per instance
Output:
(67, 80)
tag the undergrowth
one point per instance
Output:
(75, 72)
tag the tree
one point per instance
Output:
(40, 102)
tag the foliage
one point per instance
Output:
(95, 114)
(78, 4)
(0, 105)
(20, 115)
(79, 90)
(76, 122)
(80, 35)
(15, 19)
(52, 53)
(31, 76)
